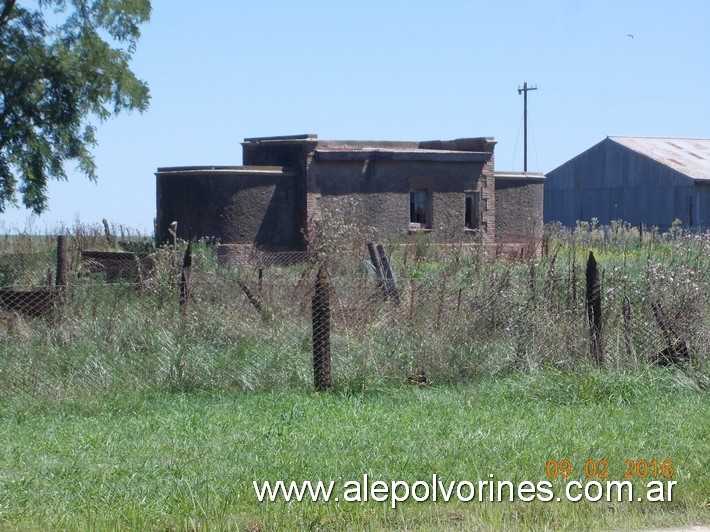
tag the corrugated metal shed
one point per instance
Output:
(647, 180)
(687, 156)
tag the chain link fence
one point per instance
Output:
(418, 314)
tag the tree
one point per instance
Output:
(63, 64)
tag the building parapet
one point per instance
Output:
(239, 170)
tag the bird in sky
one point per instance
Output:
(629, 35)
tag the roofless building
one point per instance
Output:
(289, 184)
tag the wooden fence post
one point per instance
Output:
(377, 263)
(107, 231)
(261, 282)
(62, 266)
(321, 331)
(390, 280)
(255, 300)
(594, 310)
(185, 276)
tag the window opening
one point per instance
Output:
(473, 212)
(419, 209)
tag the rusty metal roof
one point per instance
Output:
(687, 156)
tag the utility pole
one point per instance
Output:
(525, 90)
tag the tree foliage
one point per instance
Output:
(63, 64)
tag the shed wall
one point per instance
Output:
(701, 205)
(611, 182)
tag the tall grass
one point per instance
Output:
(119, 410)
(461, 316)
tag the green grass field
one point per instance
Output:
(175, 460)
(119, 410)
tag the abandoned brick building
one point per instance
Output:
(289, 184)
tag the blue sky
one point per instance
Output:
(222, 70)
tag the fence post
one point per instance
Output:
(254, 300)
(390, 279)
(379, 273)
(594, 310)
(107, 231)
(321, 331)
(62, 266)
(261, 282)
(185, 277)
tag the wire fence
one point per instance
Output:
(187, 318)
